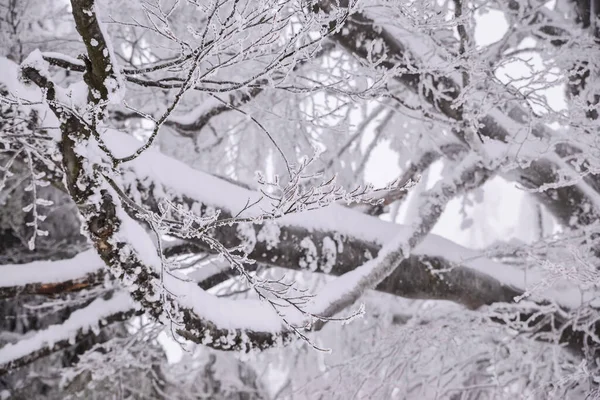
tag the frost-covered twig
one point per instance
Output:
(36, 180)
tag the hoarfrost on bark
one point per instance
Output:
(269, 234)
(329, 251)
(310, 258)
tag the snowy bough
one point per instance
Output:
(118, 129)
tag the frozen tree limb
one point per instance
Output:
(52, 277)
(79, 325)
(100, 208)
(53, 289)
(470, 175)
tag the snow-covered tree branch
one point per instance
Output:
(179, 177)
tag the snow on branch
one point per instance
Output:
(361, 234)
(153, 176)
(170, 178)
(41, 343)
(102, 75)
(122, 244)
(132, 257)
(344, 221)
(52, 277)
(349, 287)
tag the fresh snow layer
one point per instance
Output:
(80, 321)
(77, 267)
(251, 314)
(350, 285)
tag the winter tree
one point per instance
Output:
(299, 199)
